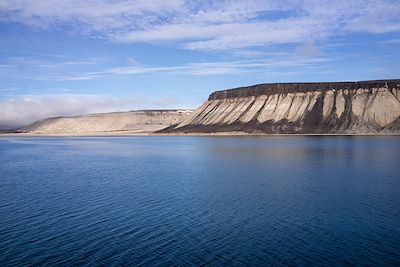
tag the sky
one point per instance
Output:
(70, 57)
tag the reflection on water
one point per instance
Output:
(200, 200)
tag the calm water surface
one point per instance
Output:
(200, 200)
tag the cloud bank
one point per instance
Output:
(209, 25)
(24, 110)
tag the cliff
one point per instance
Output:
(142, 121)
(338, 108)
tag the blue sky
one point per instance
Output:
(70, 57)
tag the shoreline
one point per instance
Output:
(220, 134)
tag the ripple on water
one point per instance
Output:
(200, 200)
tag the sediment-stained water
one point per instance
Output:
(279, 200)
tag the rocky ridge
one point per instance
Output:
(141, 121)
(337, 108)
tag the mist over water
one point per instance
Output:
(200, 200)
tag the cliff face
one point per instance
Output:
(146, 121)
(343, 107)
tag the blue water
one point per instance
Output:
(200, 201)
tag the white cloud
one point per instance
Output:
(36, 69)
(391, 41)
(209, 25)
(95, 15)
(20, 111)
(307, 51)
(309, 56)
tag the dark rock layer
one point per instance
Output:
(285, 88)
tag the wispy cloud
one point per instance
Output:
(40, 69)
(209, 25)
(20, 111)
(306, 56)
(33, 67)
(42, 62)
(391, 41)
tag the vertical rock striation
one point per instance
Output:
(339, 107)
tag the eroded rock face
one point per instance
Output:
(146, 121)
(343, 107)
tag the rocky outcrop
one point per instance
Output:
(340, 107)
(143, 121)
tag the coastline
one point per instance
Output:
(364, 108)
(220, 134)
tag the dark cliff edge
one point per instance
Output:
(366, 107)
(285, 88)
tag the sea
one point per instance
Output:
(208, 201)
